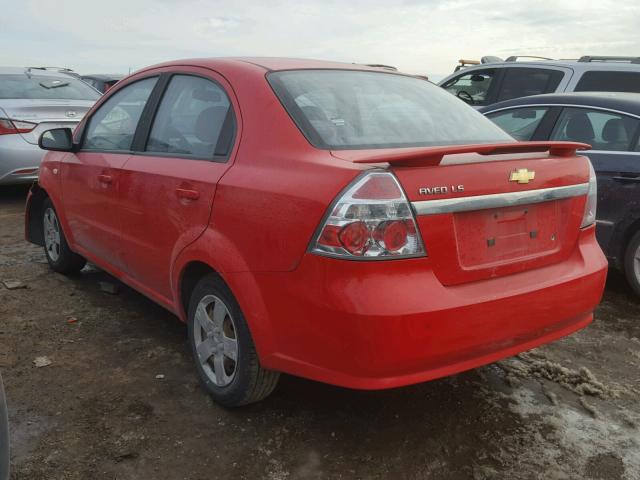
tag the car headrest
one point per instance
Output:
(209, 123)
(579, 128)
(614, 131)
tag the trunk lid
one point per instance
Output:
(47, 114)
(487, 211)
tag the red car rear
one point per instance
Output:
(342, 223)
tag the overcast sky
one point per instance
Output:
(427, 37)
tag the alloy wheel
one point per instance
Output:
(51, 234)
(215, 340)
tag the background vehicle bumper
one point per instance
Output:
(19, 160)
(374, 325)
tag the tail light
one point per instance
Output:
(589, 216)
(9, 127)
(372, 220)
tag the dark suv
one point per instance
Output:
(488, 83)
(610, 123)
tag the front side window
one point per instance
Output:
(609, 81)
(523, 82)
(472, 87)
(113, 125)
(601, 129)
(340, 109)
(45, 87)
(190, 119)
(520, 123)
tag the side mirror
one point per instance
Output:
(57, 139)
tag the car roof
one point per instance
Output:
(33, 71)
(623, 101)
(271, 64)
(575, 65)
(103, 77)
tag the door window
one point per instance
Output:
(191, 119)
(520, 123)
(472, 87)
(601, 129)
(523, 82)
(609, 82)
(112, 126)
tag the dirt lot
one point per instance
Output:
(120, 399)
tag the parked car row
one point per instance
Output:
(353, 225)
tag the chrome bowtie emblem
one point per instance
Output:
(71, 113)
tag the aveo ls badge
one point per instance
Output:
(441, 190)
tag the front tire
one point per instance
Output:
(60, 257)
(222, 347)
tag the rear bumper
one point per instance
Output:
(19, 160)
(375, 325)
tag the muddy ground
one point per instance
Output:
(120, 399)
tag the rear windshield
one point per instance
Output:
(32, 86)
(341, 109)
(609, 81)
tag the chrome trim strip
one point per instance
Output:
(562, 105)
(497, 200)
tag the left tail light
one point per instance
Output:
(371, 220)
(9, 127)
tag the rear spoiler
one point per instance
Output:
(431, 156)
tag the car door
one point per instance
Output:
(168, 184)
(517, 82)
(476, 87)
(91, 176)
(616, 159)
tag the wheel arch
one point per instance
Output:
(622, 239)
(33, 213)
(214, 253)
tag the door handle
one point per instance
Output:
(624, 179)
(108, 179)
(188, 194)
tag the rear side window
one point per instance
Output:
(112, 126)
(523, 82)
(191, 118)
(520, 123)
(341, 109)
(608, 81)
(43, 87)
(472, 87)
(601, 129)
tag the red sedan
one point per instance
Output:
(343, 223)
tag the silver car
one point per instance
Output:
(495, 80)
(33, 100)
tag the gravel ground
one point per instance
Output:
(120, 399)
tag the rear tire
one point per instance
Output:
(222, 347)
(632, 263)
(60, 257)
